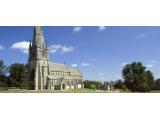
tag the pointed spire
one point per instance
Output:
(38, 38)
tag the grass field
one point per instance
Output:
(56, 91)
(67, 91)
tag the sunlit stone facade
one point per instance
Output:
(45, 74)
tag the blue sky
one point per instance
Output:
(99, 52)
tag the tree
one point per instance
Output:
(137, 78)
(3, 83)
(3, 69)
(18, 73)
(3, 78)
(118, 84)
(92, 84)
(157, 84)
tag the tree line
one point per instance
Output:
(136, 78)
(13, 76)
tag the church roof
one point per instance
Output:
(59, 76)
(58, 67)
(75, 71)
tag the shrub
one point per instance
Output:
(92, 86)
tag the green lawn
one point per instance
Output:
(66, 91)
(155, 91)
(57, 91)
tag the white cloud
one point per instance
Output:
(74, 65)
(150, 65)
(1, 47)
(102, 28)
(124, 63)
(60, 49)
(77, 29)
(22, 46)
(85, 64)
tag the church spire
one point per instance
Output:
(38, 38)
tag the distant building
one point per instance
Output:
(45, 74)
(108, 86)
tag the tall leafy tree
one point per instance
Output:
(18, 73)
(2, 68)
(157, 84)
(118, 84)
(3, 78)
(137, 78)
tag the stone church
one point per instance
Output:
(44, 74)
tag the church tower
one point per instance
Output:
(38, 61)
